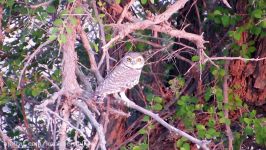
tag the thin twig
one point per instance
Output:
(125, 11)
(62, 119)
(105, 54)
(51, 100)
(226, 113)
(30, 58)
(51, 81)
(236, 58)
(41, 4)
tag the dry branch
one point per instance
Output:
(128, 28)
(41, 4)
(90, 53)
(102, 37)
(226, 112)
(94, 123)
(30, 58)
(202, 143)
(7, 140)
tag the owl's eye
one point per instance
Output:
(138, 59)
(129, 59)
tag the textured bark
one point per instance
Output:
(249, 79)
(69, 81)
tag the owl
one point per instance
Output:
(124, 76)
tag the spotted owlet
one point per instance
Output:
(124, 76)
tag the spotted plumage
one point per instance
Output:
(124, 76)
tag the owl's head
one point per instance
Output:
(133, 60)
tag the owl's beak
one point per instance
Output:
(133, 62)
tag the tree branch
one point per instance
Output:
(131, 27)
(7, 140)
(94, 123)
(30, 58)
(90, 53)
(202, 143)
(226, 113)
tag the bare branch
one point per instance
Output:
(62, 119)
(202, 143)
(63, 127)
(90, 53)
(226, 113)
(94, 122)
(30, 58)
(7, 140)
(51, 100)
(41, 4)
(235, 58)
(125, 11)
(195, 38)
(102, 37)
(226, 3)
(131, 27)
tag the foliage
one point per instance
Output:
(198, 102)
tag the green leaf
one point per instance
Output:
(225, 20)
(52, 37)
(146, 118)
(221, 72)
(58, 22)
(63, 13)
(117, 1)
(251, 49)
(263, 23)
(73, 20)
(195, 58)
(143, 2)
(149, 97)
(142, 131)
(50, 9)
(185, 146)
(96, 47)
(101, 15)
(219, 94)
(211, 123)
(200, 127)
(54, 30)
(69, 30)
(79, 10)
(247, 121)
(237, 35)
(10, 3)
(256, 30)
(249, 130)
(158, 99)
(157, 107)
(71, 1)
(35, 92)
(253, 114)
(257, 13)
(136, 148)
(62, 38)
(217, 12)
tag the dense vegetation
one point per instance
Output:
(205, 73)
